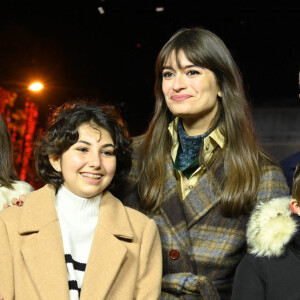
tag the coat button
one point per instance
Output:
(174, 254)
(189, 187)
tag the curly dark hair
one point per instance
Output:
(62, 133)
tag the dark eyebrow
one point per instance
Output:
(108, 145)
(103, 146)
(83, 142)
(185, 67)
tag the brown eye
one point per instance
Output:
(193, 72)
(82, 149)
(167, 74)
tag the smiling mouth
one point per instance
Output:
(180, 97)
(92, 176)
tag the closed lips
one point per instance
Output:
(180, 97)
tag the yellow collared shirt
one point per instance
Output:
(213, 140)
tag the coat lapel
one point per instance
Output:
(172, 209)
(203, 197)
(42, 249)
(108, 252)
(182, 215)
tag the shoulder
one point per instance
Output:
(272, 182)
(269, 169)
(10, 217)
(144, 229)
(270, 228)
(125, 221)
(136, 215)
(32, 202)
(118, 209)
(42, 194)
(137, 143)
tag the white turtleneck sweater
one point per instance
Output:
(78, 218)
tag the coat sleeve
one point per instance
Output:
(272, 184)
(6, 265)
(248, 284)
(188, 286)
(148, 285)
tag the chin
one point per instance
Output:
(92, 195)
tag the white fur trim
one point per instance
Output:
(270, 227)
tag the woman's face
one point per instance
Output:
(190, 91)
(89, 165)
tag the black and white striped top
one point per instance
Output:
(78, 218)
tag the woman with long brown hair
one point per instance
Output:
(198, 170)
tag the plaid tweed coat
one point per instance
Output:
(201, 248)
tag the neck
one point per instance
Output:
(195, 127)
(202, 122)
(77, 208)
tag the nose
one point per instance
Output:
(179, 82)
(95, 161)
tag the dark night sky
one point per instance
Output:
(77, 51)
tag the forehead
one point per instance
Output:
(177, 59)
(92, 131)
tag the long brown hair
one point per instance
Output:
(241, 157)
(8, 173)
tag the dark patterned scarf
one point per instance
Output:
(187, 159)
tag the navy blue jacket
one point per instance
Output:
(289, 165)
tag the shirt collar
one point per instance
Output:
(215, 138)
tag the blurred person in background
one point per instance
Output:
(10, 184)
(289, 163)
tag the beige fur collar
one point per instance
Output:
(270, 228)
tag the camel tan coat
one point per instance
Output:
(124, 262)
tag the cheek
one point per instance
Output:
(111, 166)
(199, 84)
(72, 161)
(165, 88)
(207, 88)
(212, 86)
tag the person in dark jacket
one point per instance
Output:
(272, 267)
(289, 163)
(288, 166)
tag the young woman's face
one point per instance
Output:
(190, 91)
(89, 165)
